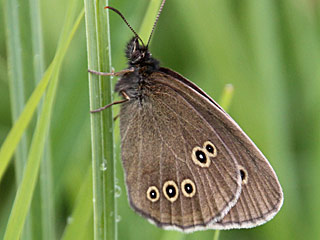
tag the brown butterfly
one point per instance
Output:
(188, 164)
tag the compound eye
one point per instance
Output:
(135, 45)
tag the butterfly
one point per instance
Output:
(188, 165)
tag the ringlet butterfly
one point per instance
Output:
(188, 164)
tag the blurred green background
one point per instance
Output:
(268, 49)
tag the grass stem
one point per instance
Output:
(102, 137)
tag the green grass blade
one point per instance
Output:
(20, 77)
(303, 30)
(3, 70)
(25, 190)
(45, 230)
(15, 134)
(82, 212)
(226, 97)
(16, 77)
(148, 20)
(102, 138)
(264, 35)
(37, 40)
(216, 235)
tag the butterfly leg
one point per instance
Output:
(112, 73)
(116, 117)
(126, 98)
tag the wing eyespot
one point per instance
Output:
(243, 174)
(153, 194)
(200, 157)
(210, 148)
(170, 191)
(188, 188)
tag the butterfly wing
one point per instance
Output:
(261, 197)
(179, 172)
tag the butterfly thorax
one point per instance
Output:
(140, 59)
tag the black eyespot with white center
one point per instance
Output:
(170, 190)
(188, 188)
(153, 194)
(210, 149)
(200, 157)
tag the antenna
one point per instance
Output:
(134, 32)
(125, 20)
(156, 21)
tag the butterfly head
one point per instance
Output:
(139, 56)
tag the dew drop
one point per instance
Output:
(103, 166)
(117, 191)
(69, 220)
